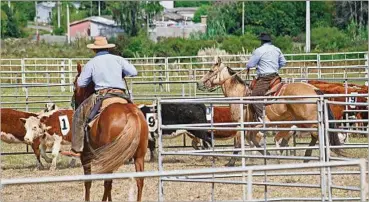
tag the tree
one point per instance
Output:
(4, 20)
(191, 3)
(11, 28)
(129, 15)
(151, 9)
(203, 10)
(26, 9)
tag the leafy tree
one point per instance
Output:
(11, 28)
(26, 9)
(191, 3)
(203, 10)
(129, 15)
(151, 9)
(4, 20)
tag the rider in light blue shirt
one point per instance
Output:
(103, 70)
(107, 71)
(268, 59)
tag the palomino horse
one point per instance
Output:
(120, 133)
(233, 86)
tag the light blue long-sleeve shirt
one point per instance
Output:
(268, 58)
(106, 71)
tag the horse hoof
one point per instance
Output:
(153, 160)
(230, 164)
(72, 163)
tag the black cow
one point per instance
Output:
(176, 114)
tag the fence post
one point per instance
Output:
(366, 65)
(62, 76)
(23, 69)
(167, 75)
(26, 89)
(323, 179)
(70, 75)
(319, 66)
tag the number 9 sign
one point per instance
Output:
(152, 121)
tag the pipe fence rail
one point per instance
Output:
(31, 82)
(250, 177)
(327, 186)
(63, 70)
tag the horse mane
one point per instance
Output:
(83, 93)
(236, 78)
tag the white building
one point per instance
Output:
(44, 12)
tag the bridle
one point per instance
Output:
(221, 69)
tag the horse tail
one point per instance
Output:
(122, 149)
(333, 136)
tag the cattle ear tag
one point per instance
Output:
(64, 124)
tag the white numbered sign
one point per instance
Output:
(352, 99)
(208, 113)
(152, 122)
(64, 124)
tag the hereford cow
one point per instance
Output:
(53, 131)
(175, 114)
(13, 131)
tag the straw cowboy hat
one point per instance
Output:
(100, 43)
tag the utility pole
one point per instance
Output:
(58, 5)
(36, 23)
(68, 28)
(9, 3)
(99, 8)
(307, 46)
(243, 18)
(91, 9)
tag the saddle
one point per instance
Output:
(104, 99)
(275, 86)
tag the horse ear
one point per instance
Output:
(217, 60)
(79, 68)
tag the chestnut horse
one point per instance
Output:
(119, 134)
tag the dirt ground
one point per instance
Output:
(24, 166)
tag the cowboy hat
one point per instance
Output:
(100, 43)
(265, 37)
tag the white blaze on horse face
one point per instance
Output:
(33, 129)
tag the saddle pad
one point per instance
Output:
(104, 104)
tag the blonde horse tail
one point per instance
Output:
(111, 157)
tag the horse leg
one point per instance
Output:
(312, 143)
(237, 144)
(87, 171)
(107, 190)
(256, 138)
(139, 165)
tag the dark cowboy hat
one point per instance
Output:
(265, 37)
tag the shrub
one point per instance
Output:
(328, 39)
(284, 43)
(58, 30)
